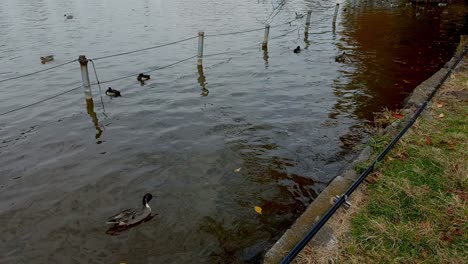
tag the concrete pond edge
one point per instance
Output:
(344, 180)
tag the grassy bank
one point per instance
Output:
(413, 209)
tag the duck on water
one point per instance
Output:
(143, 77)
(132, 216)
(112, 92)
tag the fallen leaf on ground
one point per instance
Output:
(258, 209)
(441, 115)
(457, 231)
(428, 140)
(440, 104)
(237, 170)
(398, 116)
(424, 253)
(425, 225)
(447, 238)
(462, 194)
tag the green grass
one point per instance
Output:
(416, 210)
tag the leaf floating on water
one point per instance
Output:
(258, 209)
(237, 170)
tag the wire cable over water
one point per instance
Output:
(249, 30)
(288, 32)
(41, 101)
(160, 68)
(36, 72)
(143, 49)
(98, 82)
(99, 85)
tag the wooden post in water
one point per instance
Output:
(201, 37)
(265, 38)
(306, 31)
(336, 13)
(85, 76)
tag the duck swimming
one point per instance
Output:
(299, 15)
(143, 77)
(68, 16)
(132, 216)
(47, 59)
(297, 50)
(341, 58)
(112, 92)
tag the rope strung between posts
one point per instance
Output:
(342, 199)
(135, 74)
(143, 49)
(288, 32)
(41, 101)
(36, 72)
(251, 46)
(250, 30)
(98, 82)
(99, 85)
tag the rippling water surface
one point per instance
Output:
(289, 122)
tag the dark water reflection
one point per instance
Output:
(289, 122)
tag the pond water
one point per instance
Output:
(253, 127)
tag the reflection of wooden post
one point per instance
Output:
(265, 55)
(267, 33)
(306, 31)
(336, 13)
(92, 114)
(202, 80)
(201, 37)
(354, 3)
(85, 76)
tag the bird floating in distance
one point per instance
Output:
(299, 15)
(68, 16)
(143, 77)
(48, 58)
(112, 92)
(341, 58)
(297, 50)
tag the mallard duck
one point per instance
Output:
(297, 50)
(299, 15)
(68, 16)
(47, 59)
(143, 77)
(112, 92)
(132, 216)
(341, 58)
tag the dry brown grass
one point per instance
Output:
(340, 224)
